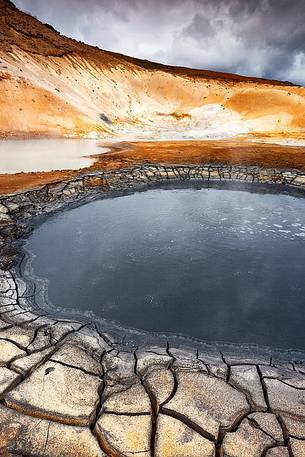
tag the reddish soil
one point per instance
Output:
(169, 152)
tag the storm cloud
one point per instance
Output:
(252, 37)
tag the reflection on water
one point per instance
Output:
(46, 155)
(214, 264)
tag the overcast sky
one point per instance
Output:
(251, 37)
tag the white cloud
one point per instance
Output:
(253, 37)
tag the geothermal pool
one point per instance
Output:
(216, 264)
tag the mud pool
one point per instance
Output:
(215, 264)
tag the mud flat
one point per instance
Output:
(73, 386)
(126, 154)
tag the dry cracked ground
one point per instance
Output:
(69, 390)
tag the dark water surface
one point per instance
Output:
(220, 265)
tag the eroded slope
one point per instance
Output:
(53, 85)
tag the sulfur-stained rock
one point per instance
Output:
(246, 441)
(8, 351)
(57, 392)
(175, 439)
(34, 436)
(124, 435)
(246, 378)
(207, 401)
(134, 400)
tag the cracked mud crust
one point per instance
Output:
(69, 387)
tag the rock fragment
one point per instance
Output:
(173, 439)
(133, 400)
(207, 402)
(28, 435)
(9, 351)
(247, 441)
(58, 393)
(246, 378)
(124, 435)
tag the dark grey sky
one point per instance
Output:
(252, 37)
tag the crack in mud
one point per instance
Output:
(119, 352)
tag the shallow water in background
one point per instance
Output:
(46, 154)
(220, 265)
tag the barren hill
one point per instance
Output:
(53, 85)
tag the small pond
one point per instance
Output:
(47, 154)
(215, 264)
